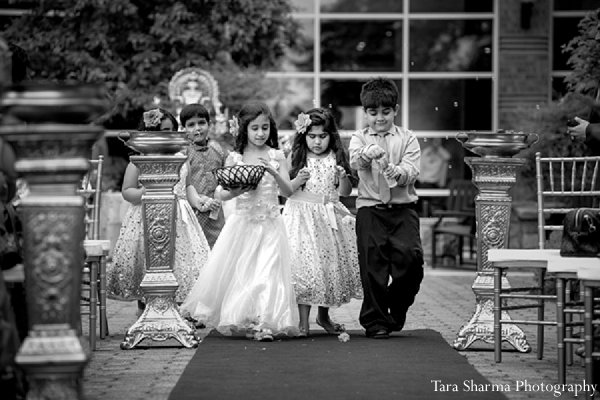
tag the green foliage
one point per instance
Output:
(585, 55)
(550, 124)
(550, 121)
(135, 46)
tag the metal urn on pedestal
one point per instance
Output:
(52, 140)
(494, 173)
(159, 168)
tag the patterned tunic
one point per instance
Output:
(202, 162)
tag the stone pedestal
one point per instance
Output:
(493, 176)
(53, 158)
(161, 319)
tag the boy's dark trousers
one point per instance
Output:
(389, 245)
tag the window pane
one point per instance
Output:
(565, 29)
(361, 46)
(361, 6)
(437, 6)
(343, 97)
(439, 174)
(304, 6)
(450, 104)
(293, 95)
(301, 59)
(450, 45)
(563, 5)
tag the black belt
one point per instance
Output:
(389, 206)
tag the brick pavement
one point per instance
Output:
(444, 304)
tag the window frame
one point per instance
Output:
(405, 75)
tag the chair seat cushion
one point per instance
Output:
(521, 258)
(454, 229)
(96, 247)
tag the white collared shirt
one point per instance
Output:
(403, 151)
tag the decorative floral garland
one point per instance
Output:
(152, 118)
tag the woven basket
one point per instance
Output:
(239, 176)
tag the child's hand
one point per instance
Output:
(374, 152)
(268, 166)
(341, 171)
(303, 176)
(382, 163)
(392, 171)
(211, 205)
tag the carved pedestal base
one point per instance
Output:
(160, 321)
(53, 362)
(481, 324)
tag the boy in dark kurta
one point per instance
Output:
(204, 156)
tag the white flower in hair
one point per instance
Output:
(234, 126)
(152, 118)
(302, 123)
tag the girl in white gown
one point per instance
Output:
(320, 228)
(246, 284)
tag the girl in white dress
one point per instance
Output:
(127, 269)
(320, 228)
(246, 284)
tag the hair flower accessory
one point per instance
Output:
(302, 123)
(234, 126)
(152, 118)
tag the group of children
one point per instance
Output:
(260, 271)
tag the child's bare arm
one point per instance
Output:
(131, 190)
(345, 186)
(282, 176)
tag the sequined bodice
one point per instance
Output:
(323, 175)
(262, 202)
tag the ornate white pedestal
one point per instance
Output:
(493, 177)
(159, 173)
(53, 158)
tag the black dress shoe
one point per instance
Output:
(379, 334)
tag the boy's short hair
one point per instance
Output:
(379, 92)
(193, 110)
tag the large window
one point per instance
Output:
(441, 54)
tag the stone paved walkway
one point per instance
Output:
(444, 304)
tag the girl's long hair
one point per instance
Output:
(247, 114)
(320, 117)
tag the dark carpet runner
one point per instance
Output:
(320, 367)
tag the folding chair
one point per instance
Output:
(563, 184)
(460, 207)
(93, 298)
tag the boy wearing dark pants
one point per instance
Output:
(387, 158)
